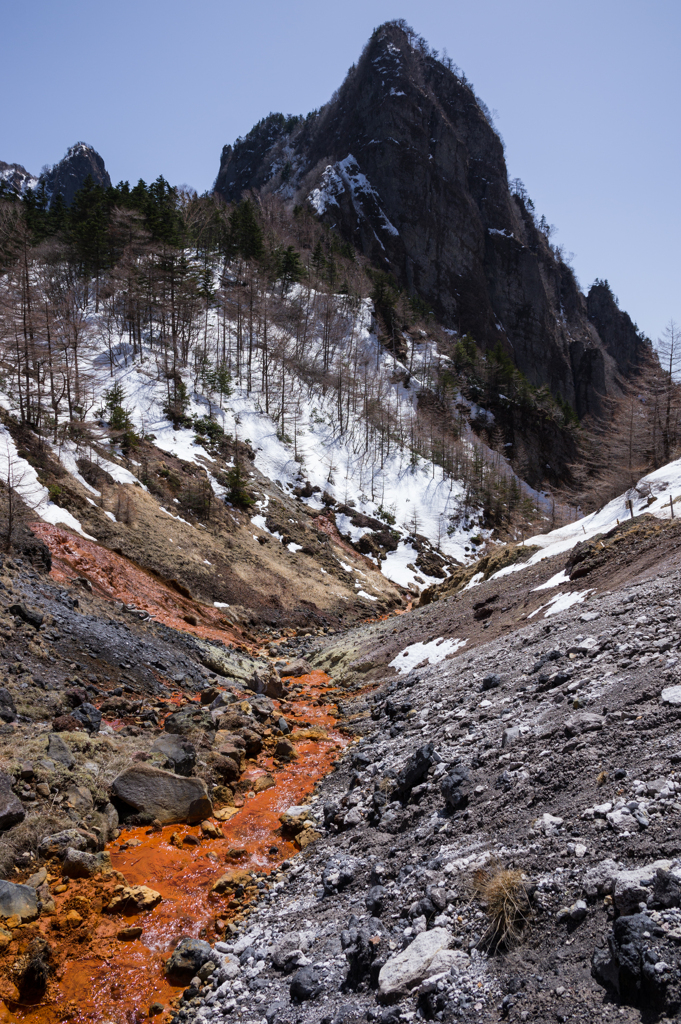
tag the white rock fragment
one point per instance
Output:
(412, 966)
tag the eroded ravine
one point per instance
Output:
(110, 967)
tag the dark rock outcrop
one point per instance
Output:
(66, 177)
(405, 162)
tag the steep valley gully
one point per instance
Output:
(208, 820)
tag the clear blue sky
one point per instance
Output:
(587, 95)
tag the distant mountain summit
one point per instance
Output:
(406, 163)
(68, 175)
(64, 178)
(17, 177)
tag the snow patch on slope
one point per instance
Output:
(22, 477)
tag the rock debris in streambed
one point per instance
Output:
(547, 761)
(108, 722)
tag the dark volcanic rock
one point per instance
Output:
(304, 985)
(30, 615)
(190, 718)
(456, 788)
(181, 754)
(405, 162)
(187, 959)
(59, 751)
(414, 771)
(71, 838)
(642, 970)
(8, 711)
(21, 900)
(88, 716)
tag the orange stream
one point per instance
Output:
(116, 981)
(100, 978)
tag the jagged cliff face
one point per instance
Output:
(404, 162)
(68, 175)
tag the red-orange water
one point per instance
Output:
(114, 981)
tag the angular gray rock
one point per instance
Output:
(19, 900)
(191, 718)
(59, 751)
(188, 958)
(410, 967)
(80, 864)
(181, 754)
(586, 721)
(634, 886)
(167, 797)
(57, 844)
(297, 668)
(11, 808)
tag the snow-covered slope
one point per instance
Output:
(409, 494)
(656, 493)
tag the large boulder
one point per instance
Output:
(11, 808)
(266, 681)
(162, 795)
(18, 901)
(31, 616)
(187, 959)
(641, 967)
(296, 669)
(305, 985)
(410, 967)
(414, 771)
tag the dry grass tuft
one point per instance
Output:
(507, 905)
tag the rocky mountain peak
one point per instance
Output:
(16, 177)
(405, 162)
(67, 176)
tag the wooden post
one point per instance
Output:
(671, 505)
(630, 506)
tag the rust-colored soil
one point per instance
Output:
(117, 578)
